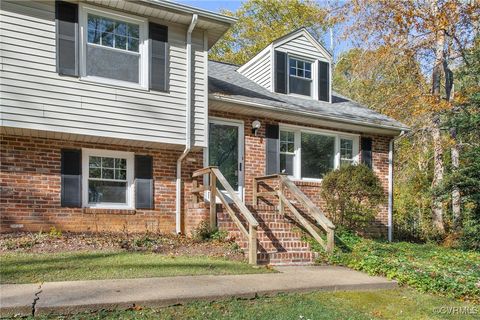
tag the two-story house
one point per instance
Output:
(109, 107)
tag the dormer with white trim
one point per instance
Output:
(295, 64)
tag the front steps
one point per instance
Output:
(279, 238)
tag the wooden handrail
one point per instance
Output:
(236, 199)
(214, 175)
(312, 209)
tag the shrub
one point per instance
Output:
(55, 233)
(352, 195)
(203, 232)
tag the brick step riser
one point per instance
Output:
(278, 244)
(269, 236)
(293, 245)
(262, 226)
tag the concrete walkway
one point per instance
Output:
(74, 296)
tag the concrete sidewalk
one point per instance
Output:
(74, 296)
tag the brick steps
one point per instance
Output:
(279, 238)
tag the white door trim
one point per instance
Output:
(241, 151)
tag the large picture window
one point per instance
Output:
(318, 155)
(310, 154)
(114, 47)
(107, 178)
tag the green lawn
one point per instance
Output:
(425, 267)
(383, 304)
(32, 268)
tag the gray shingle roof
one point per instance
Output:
(224, 80)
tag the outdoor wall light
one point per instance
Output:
(255, 126)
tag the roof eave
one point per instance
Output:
(219, 97)
(193, 10)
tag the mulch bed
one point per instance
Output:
(157, 243)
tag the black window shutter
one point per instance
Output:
(281, 72)
(71, 185)
(66, 18)
(273, 153)
(144, 192)
(367, 152)
(323, 81)
(158, 36)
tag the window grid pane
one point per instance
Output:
(106, 168)
(299, 68)
(346, 151)
(112, 33)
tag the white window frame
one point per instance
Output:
(313, 78)
(297, 159)
(129, 156)
(142, 46)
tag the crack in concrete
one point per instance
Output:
(35, 300)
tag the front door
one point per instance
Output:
(225, 150)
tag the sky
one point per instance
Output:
(232, 5)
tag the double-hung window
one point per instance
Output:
(287, 151)
(310, 154)
(108, 178)
(114, 47)
(300, 77)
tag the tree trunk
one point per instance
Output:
(456, 198)
(437, 209)
(438, 170)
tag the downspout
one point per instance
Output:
(188, 130)
(390, 191)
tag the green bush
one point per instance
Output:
(426, 267)
(352, 195)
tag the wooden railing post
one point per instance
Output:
(255, 190)
(281, 205)
(330, 240)
(252, 245)
(213, 201)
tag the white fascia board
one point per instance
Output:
(193, 10)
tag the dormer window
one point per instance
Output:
(300, 77)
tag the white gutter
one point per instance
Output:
(188, 129)
(390, 191)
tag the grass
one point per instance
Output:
(425, 267)
(32, 268)
(383, 304)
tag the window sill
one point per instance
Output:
(109, 211)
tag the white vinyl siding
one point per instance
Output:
(260, 70)
(35, 97)
(301, 46)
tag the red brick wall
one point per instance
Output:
(30, 185)
(30, 189)
(255, 163)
